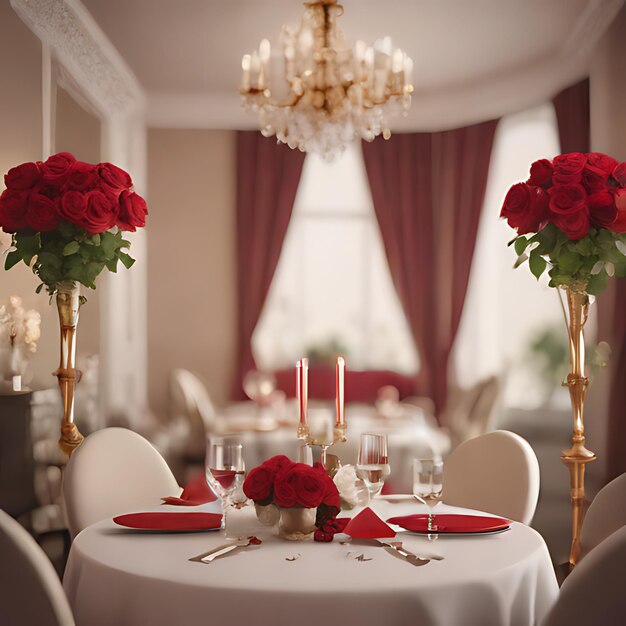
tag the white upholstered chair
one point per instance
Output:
(497, 472)
(30, 591)
(190, 400)
(114, 471)
(594, 592)
(606, 514)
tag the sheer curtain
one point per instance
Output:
(428, 190)
(268, 174)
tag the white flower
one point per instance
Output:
(345, 481)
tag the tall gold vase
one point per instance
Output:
(68, 305)
(577, 456)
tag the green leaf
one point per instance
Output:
(39, 287)
(13, 258)
(597, 283)
(546, 238)
(27, 245)
(71, 248)
(112, 265)
(520, 245)
(126, 259)
(569, 261)
(537, 264)
(108, 244)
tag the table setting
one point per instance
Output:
(295, 542)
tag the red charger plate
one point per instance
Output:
(451, 523)
(175, 521)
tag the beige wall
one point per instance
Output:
(191, 259)
(608, 134)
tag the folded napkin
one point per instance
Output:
(170, 521)
(367, 525)
(197, 491)
(449, 523)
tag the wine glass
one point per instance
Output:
(428, 485)
(373, 462)
(225, 470)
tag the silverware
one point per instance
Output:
(211, 555)
(395, 548)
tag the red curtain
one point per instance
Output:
(268, 174)
(428, 191)
(572, 113)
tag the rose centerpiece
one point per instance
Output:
(570, 217)
(306, 498)
(66, 219)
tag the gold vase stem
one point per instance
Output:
(68, 304)
(577, 456)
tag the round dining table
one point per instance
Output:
(125, 577)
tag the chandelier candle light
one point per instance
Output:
(316, 93)
(302, 392)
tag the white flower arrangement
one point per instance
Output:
(351, 489)
(20, 331)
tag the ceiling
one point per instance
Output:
(474, 59)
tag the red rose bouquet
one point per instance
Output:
(286, 484)
(570, 215)
(66, 218)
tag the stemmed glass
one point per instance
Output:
(373, 462)
(225, 470)
(428, 485)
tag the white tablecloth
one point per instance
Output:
(124, 578)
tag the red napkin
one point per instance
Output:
(448, 523)
(367, 525)
(170, 521)
(195, 492)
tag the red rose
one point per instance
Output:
(525, 208)
(278, 463)
(602, 209)
(331, 493)
(13, 203)
(568, 168)
(600, 163)
(565, 199)
(575, 225)
(101, 213)
(24, 176)
(114, 178)
(541, 173)
(82, 177)
(56, 168)
(619, 225)
(259, 484)
(309, 486)
(284, 491)
(73, 207)
(42, 213)
(619, 174)
(133, 211)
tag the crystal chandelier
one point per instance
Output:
(316, 93)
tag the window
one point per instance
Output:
(506, 308)
(332, 286)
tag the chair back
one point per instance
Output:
(31, 592)
(594, 592)
(190, 399)
(114, 471)
(497, 472)
(606, 514)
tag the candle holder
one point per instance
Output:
(339, 431)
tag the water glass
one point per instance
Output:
(428, 484)
(373, 462)
(225, 470)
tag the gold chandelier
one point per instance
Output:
(316, 93)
